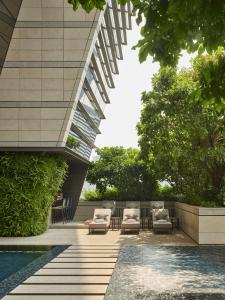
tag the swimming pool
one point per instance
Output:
(168, 273)
(19, 263)
(12, 260)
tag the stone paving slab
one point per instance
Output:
(53, 297)
(87, 255)
(79, 265)
(81, 272)
(84, 260)
(93, 248)
(67, 280)
(91, 251)
(60, 289)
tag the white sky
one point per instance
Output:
(122, 115)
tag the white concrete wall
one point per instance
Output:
(85, 210)
(203, 225)
(188, 220)
(211, 225)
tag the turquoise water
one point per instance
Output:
(12, 261)
(168, 273)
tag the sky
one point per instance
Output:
(123, 113)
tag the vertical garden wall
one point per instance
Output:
(28, 184)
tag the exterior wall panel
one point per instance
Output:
(55, 74)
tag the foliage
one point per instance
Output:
(165, 193)
(72, 143)
(172, 26)
(122, 169)
(28, 184)
(181, 140)
(109, 194)
(210, 76)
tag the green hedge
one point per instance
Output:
(28, 184)
(94, 195)
(165, 193)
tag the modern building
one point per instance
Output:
(56, 68)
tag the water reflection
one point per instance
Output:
(150, 272)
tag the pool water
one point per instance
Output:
(17, 263)
(168, 273)
(12, 261)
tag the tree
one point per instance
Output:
(122, 169)
(171, 26)
(210, 77)
(181, 140)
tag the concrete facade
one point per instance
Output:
(57, 66)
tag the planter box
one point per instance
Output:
(204, 225)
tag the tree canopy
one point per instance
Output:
(121, 168)
(181, 140)
(171, 26)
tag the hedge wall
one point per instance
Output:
(28, 184)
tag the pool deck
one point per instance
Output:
(81, 237)
(84, 269)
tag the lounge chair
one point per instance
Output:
(131, 219)
(161, 221)
(101, 220)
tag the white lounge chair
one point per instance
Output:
(131, 219)
(101, 220)
(161, 221)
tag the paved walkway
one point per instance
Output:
(78, 273)
(81, 237)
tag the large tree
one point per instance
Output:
(122, 169)
(181, 140)
(171, 26)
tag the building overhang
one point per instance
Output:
(69, 154)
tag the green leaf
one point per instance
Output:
(143, 53)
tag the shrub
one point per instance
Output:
(165, 193)
(72, 143)
(28, 184)
(109, 194)
(91, 195)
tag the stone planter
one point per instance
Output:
(204, 225)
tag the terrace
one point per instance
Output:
(154, 226)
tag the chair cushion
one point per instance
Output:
(161, 214)
(101, 216)
(162, 221)
(131, 221)
(131, 217)
(96, 220)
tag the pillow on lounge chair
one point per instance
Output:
(128, 217)
(101, 216)
(161, 214)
